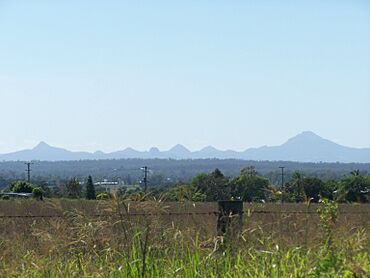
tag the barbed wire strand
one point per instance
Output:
(215, 213)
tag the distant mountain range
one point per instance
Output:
(305, 147)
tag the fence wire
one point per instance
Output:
(214, 213)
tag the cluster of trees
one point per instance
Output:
(248, 186)
(74, 189)
(71, 189)
(166, 172)
(26, 187)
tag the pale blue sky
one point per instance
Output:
(88, 75)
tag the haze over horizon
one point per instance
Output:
(89, 76)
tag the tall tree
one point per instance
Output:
(90, 189)
(354, 188)
(249, 186)
(213, 185)
(306, 189)
(294, 189)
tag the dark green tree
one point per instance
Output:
(294, 189)
(90, 189)
(354, 188)
(250, 187)
(306, 189)
(315, 189)
(213, 186)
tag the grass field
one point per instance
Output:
(114, 239)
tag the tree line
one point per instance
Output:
(166, 172)
(248, 186)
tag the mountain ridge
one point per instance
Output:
(304, 147)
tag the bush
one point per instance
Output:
(22, 187)
(37, 193)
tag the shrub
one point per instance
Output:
(37, 193)
(22, 187)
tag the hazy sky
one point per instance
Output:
(88, 75)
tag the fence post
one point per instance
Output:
(230, 217)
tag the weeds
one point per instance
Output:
(123, 245)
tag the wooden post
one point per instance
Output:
(230, 217)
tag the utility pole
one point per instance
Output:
(145, 180)
(282, 181)
(28, 171)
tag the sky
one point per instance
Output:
(106, 75)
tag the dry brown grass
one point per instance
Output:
(290, 223)
(102, 235)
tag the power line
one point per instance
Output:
(181, 213)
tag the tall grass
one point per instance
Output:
(123, 245)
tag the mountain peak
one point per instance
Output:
(209, 149)
(305, 137)
(42, 145)
(308, 133)
(154, 150)
(130, 150)
(179, 148)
